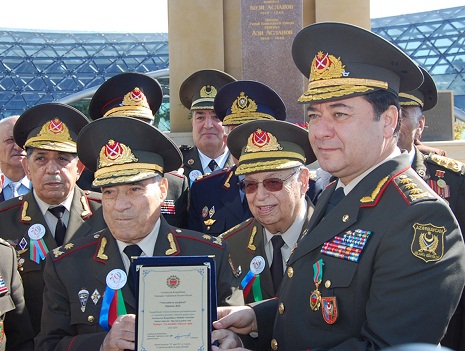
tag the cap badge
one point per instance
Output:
(115, 153)
(208, 91)
(262, 141)
(243, 104)
(52, 130)
(135, 98)
(56, 126)
(326, 66)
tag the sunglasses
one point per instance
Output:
(270, 184)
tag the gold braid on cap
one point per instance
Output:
(327, 80)
(414, 100)
(207, 94)
(52, 131)
(262, 141)
(244, 110)
(132, 105)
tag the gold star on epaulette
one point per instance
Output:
(69, 246)
(206, 237)
(57, 252)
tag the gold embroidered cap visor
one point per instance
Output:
(246, 100)
(269, 145)
(426, 96)
(128, 94)
(50, 126)
(342, 60)
(198, 91)
(123, 150)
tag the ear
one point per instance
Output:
(163, 184)
(304, 176)
(24, 162)
(390, 118)
(421, 126)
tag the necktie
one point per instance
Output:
(335, 198)
(132, 251)
(277, 263)
(60, 228)
(213, 165)
(14, 188)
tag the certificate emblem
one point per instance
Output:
(173, 282)
(116, 279)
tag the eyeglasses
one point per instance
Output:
(270, 184)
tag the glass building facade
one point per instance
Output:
(38, 67)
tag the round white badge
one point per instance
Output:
(36, 231)
(193, 175)
(257, 265)
(116, 279)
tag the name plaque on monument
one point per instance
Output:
(268, 29)
(176, 302)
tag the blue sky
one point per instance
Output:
(150, 16)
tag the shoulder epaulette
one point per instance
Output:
(447, 162)
(92, 195)
(67, 249)
(236, 228)
(212, 174)
(205, 238)
(176, 174)
(413, 189)
(11, 203)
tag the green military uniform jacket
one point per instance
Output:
(401, 287)
(66, 327)
(16, 218)
(246, 241)
(16, 333)
(447, 177)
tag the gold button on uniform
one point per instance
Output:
(274, 344)
(327, 284)
(90, 319)
(345, 218)
(290, 272)
(281, 308)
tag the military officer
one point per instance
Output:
(129, 168)
(16, 333)
(48, 133)
(216, 202)
(383, 253)
(444, 175)
(137, 95)
(209, 152)
(272, 155)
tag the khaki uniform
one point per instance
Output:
(16, 218)
(16, 332)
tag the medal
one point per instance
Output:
(315, 297)
(83, 296)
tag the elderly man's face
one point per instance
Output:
(11, 154)
(208, 133)
(53, 174)
(277, 210)
(131, 210)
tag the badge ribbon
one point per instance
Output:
(113, 302)
(250, 282)
(38, 250)
(315, 297)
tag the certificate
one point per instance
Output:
(176, 302)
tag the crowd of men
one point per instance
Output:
(369, 257)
